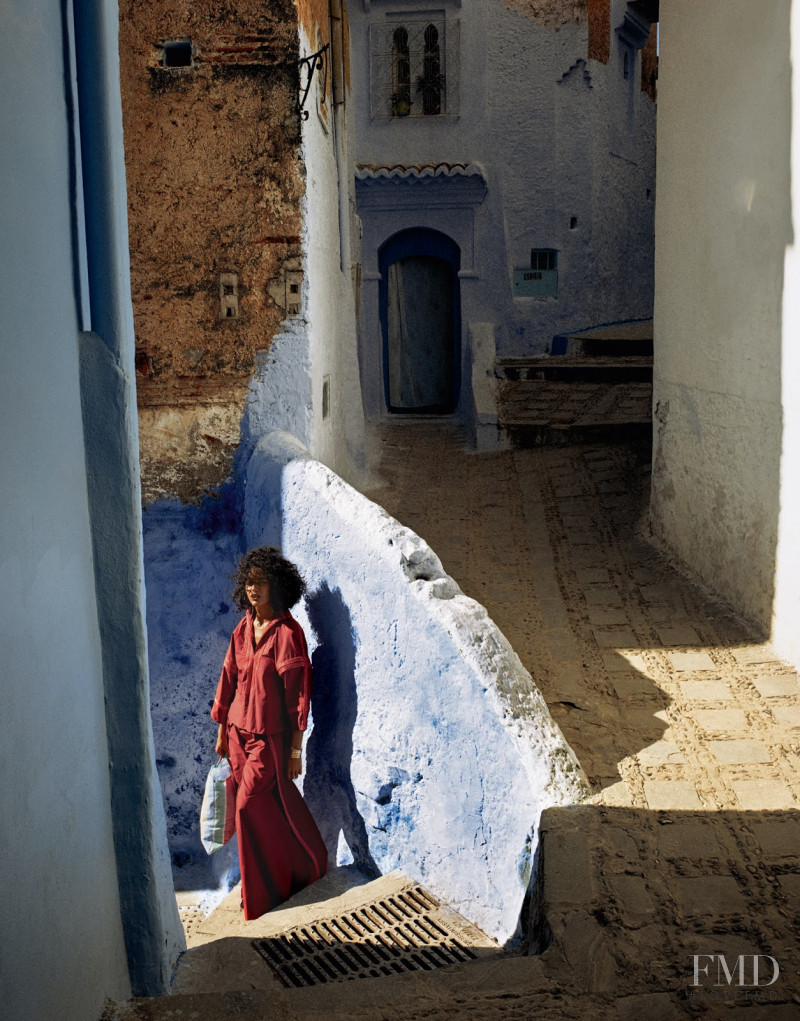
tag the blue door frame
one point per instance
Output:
(418, 241)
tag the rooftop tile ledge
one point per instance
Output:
(432, 749)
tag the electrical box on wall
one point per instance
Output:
(535, 283)
(541, 280)
(229, 296)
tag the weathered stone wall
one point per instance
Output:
(215, 184)
(552, 13)
(600, 30)
(650, 63)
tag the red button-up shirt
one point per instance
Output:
(265, 688)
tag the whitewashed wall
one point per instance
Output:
(319, 344)
(85, 912)
(725, 367)
(551, 131)
(786, 608)
(432, 750)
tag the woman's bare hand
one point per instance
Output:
(294, 768)
(221, 746)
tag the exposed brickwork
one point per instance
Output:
(551, 13)
(650, 63)
(215, 181)
(600, 30)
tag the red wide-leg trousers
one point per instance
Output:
(280, 847)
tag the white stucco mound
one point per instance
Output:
(432, 749)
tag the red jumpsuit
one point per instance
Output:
(263, 696)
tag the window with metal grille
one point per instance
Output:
(544, 258)
(401, 73)
(431, 84)
(414, 67)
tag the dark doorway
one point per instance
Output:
(421, 322)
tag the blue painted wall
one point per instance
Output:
(70, 563)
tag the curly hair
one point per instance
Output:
(286, 586)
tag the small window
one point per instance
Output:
(414, 67)
(431, 81)
(544, 258)
(229, 296)
(177, 53)
(401, 73)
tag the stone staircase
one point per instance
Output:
(597, 386)
(304, 958)
(593, 953)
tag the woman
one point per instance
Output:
(261, 706)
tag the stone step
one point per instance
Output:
(591, 927)
(535, 413)
(610, 347)
(527, 437)
(507, 987)
(224, 976)
(325, 931)
(567, 369)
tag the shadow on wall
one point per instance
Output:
(328, 788)
(189, 553)
(448, 785)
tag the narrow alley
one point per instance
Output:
(649, 680)
(686, 724)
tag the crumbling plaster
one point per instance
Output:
(215, 185)
(599, 17)
(226, 176)
(551, 13)
(214, 180)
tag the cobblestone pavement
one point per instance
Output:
(686, 724)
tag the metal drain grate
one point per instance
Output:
(402, 932)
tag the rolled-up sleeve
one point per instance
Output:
(226, 688)
(294, 668)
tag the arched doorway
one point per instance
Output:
(420, 308)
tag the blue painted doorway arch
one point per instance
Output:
(420, 312)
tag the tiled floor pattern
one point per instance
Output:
(669, 701)
(686, 724)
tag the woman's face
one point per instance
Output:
(257, 589)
